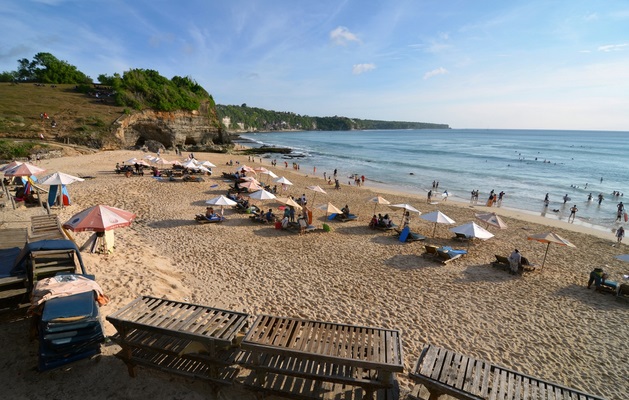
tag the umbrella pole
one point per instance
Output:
(434, 229)
(545, 253)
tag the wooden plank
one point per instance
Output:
(429, 356)
(439, 362)
(447, 367)
(462, 373)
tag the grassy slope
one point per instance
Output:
(75, 113)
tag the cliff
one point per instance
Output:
(177, 128)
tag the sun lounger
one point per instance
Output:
(447, 254)
(345, 218)
(202, 219)
(504, 263)
(13, 284)
(445, 372)
(431, 251)
(405, 235)
(461, 237)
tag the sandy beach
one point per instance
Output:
(545, 323)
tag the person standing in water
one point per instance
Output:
(573, 213)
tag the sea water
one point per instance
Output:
(525, 164)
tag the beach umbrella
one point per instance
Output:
(269, 173)
(250, 185)
(221, 201)
(406, 207)
(99, 219)
(250, 179)
(438, 218)
(549, 238)
(289, 202)
(191, 164)
(491, 219)
(202, 168)
(162, 161)
(260, 169)
(208, 164)
(471, 230)
(285, 182)
(262, 195)
(10, 165)
(24, 169)
(329, 208)
(316, 189)
(378, 200)
(60, 179)
(132, 161)
(245, 168)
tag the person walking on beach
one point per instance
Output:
(573, 213)
(429, 196)
(620, 233)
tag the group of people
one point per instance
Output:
(380, 221)
(495, 199)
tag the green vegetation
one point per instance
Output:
(45, 68)
(10, 150)
(257, 119)
(145, 88)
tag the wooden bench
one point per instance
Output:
(445, 372)
(306, 359)
(181, 338)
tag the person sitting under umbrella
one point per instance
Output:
(210, 215)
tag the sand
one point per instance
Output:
(545, 323)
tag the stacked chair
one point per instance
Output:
(69, 330)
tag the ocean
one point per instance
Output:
(525, 164)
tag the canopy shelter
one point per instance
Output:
(472, 231)
(245, 168)
(406, 207)
(21, 169)
(329, 208)
(548, 238)
(316, 189)
(102, 220)
(221, 201)
(262, 195)
(252, 186)
(438, 218)
(59, 180)
(378, 200)
(284, 182)
(289, 202)
(491, 219)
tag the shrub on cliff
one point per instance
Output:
(145, 88)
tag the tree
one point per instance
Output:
(46, 68)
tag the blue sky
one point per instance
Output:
(534, 64)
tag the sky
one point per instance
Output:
(533, 64)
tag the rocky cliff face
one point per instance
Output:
(176, 128)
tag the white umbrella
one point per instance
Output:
(471, 230)
(329, 208)
(221, 201)
(492, 219)
(208, 164)
(192, 164)
(262, 195)
(260, 169)
(60, 179)
(283, 181)
(378, 200)
(202, 168)
(406, 207)
(316, 189)
(132, 161)
(269, 173)
(438, 218)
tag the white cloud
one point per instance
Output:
(362, 68)
(612, 47)
(434, 72)
(342, 36)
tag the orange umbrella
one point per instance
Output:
(549, 238)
